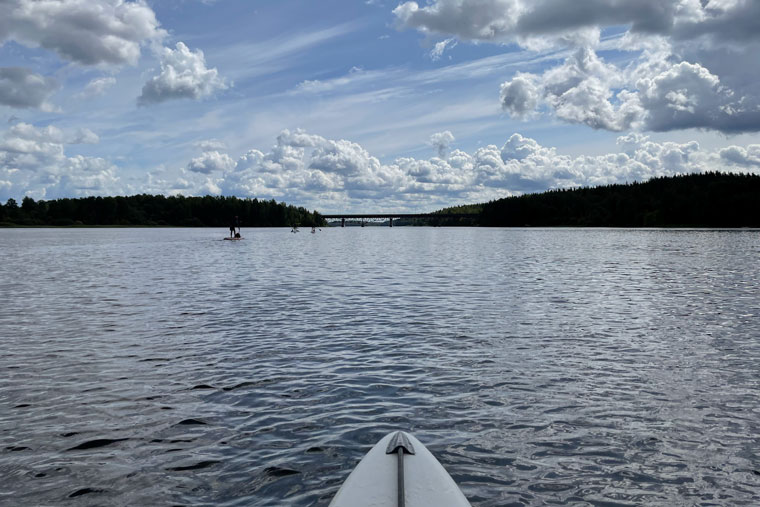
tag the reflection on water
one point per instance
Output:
(596, 367)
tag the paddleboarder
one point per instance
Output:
(234, 224)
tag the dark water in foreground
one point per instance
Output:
(590, 367)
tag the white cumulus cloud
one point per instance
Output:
(747, 157)
(83, 136)
(23, 88)
(340, 175)
(694, 63)
(33, 162)
(211, 161)
(521, 20)
(183, 75)
(441, 142)
(520, 96)
(652, 93)
(98, 86)
(88, 32)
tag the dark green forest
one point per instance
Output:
(155, 210)
(693, 200)
(470, 212)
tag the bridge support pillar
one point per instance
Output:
(390, 222)
(342, 222)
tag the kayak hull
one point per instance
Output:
(374, 481)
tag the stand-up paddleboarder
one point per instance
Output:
(234, 226)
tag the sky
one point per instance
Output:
(371, 105)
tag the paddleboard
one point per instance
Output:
(232, 239)
(375, 482)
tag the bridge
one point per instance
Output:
(390, 216)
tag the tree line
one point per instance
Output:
(155, 210)
(693, 200)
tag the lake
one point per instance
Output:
(540, 366)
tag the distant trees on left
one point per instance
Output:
(156, 210)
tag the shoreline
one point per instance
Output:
(537, 227)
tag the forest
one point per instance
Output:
(155, 210)
(693, 200)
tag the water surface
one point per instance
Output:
(587, 367)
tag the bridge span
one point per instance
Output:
(390, 216)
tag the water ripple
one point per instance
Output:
(588, 367)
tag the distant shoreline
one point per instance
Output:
(155, 211)
(527, 227)
(115, 226)
(699, 201)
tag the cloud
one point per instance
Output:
(97, 86)
(340, 175)
(467, 19)
(561, 21)
(33, 162)
(747, 157)
(441, 141)
(25, 138)
(520, 96)
(183, 75)
(303, 164)
(162, 181)
(688, 64)
(88, 32)
(441, 47)
(688, 95)
(22, 88)
(652, 93)
(211, 161)
(356, 77)
(518, 148)
(579, 91)
(83, 136)
(211, 145)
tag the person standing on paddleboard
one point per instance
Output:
(234, 224)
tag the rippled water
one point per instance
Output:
(591, 367)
